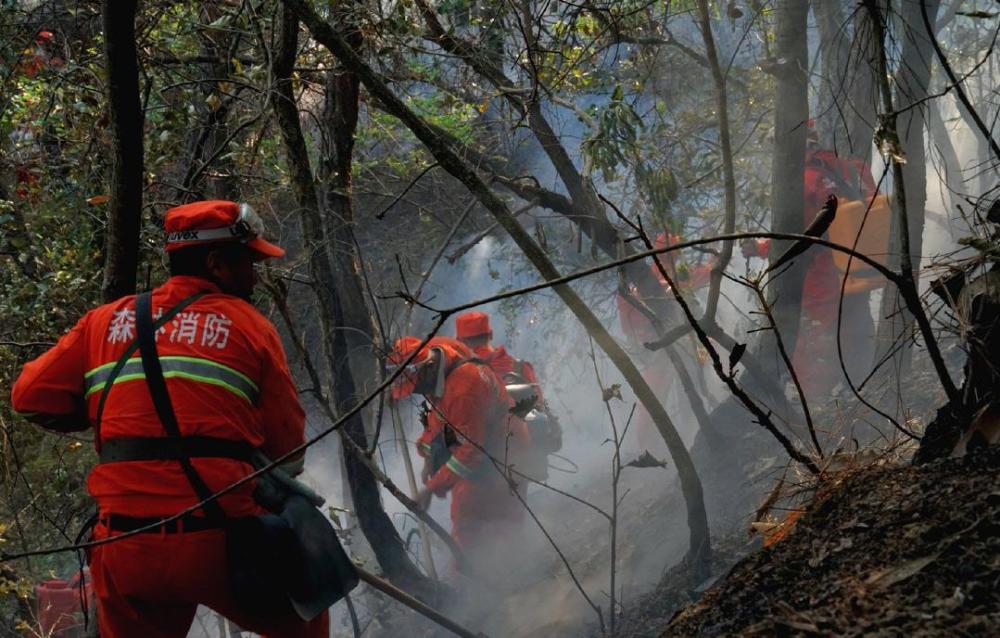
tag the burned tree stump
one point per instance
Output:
(976, 422)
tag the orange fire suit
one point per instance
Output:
(228, 378)
(503, 364)
(815, 357)
(476, 407)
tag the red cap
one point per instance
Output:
(214, 221)
(44, 36)
(472, 324)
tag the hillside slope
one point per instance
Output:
(892, 551)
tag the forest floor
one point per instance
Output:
(883, 548)
(882, 551)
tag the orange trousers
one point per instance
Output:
(483, 509)
(150, 585)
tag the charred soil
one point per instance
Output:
(882, 551)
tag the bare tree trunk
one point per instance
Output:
(862, 98)
(121, 259)
(912, 79)
(700, 548)
(833, 110)
(374, 522)
(788, 166)
(726, 147)
(941, 140)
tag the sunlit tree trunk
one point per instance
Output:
(126, 124)
(862, 95)
(833, 110)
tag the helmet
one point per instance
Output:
(405, 347)
(217, 220)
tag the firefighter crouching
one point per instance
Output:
(468, 422)
(473, 329)
(230, 387)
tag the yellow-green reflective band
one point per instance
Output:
(459, 468)
(191, 368)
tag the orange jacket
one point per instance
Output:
(503, 364)
(476, 406)
(825, 174)
(227, 377)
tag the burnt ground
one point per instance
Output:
(891, 551)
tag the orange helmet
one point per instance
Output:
(406, 383)
(472, 324)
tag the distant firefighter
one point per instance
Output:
(657, 369)
(815, 358)
(474, 330)
(470, 435)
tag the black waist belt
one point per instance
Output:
(188, 523)
(164, 449)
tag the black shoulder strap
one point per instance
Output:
(458, 363)
(146, 336)
(129, 351)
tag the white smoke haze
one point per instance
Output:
(530, 592)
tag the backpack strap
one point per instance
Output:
(129, 351)
(146, 336)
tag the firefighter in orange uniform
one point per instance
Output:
(815, 357)
(468, 422)
(473, 329)
(231, 389)
(657, 369)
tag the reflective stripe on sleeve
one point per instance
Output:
(459, 468)
(190, 368)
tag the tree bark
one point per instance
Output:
(941, 140)
(388, 547)
(862, 100)
(726, 148)
(205, 141)
(121, 259)
(700, 549)
(912, 79)
(834, 49)
(787, 168)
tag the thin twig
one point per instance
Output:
(766, 309)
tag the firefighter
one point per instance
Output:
(815, 357)
(636, 326)
(469, 431)
(230, 386)
(657, 369)
(474, 330)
